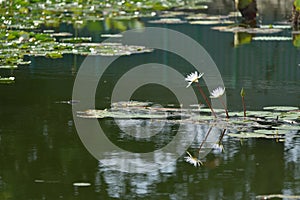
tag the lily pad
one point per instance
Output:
(212, 22)
(167, 21)
(61, 34)
(111, 35)
(236, 29)
(272, 38)
(248, 135)
(82, 184)
(287, 127)
(76, 40)
(8, 67)
(281, 108)
(271, 132)
(7, 80)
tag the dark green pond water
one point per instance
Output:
(41, 155)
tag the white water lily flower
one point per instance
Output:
(194, 161)
(216, 93)
(193, 77)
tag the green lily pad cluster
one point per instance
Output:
(274, 122)
(22, 23)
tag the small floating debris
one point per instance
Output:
(82, 184)
(71, 102)
(45, 181)
(48, 31)
(167, 21)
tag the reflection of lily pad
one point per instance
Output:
(281, 108)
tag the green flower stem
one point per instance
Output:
(244, 106)
(206, 100)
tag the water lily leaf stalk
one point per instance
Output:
(226, 111)
(206, 99)
(222, 135)
(243, 100)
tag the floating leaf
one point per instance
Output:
(61, 34)
(54, 55)
(271, 132)
(235, 29)
(248, 135)
(167, 21)
(287, 127)
(81, 184)
(211, 22)
(272, 38)
(8, 67)
(7, 80)
(111, 35)
(281, 108)
(76, 39)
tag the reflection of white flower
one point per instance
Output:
(216, 93)
(218, 148)
(194, 161)
(193, 77)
